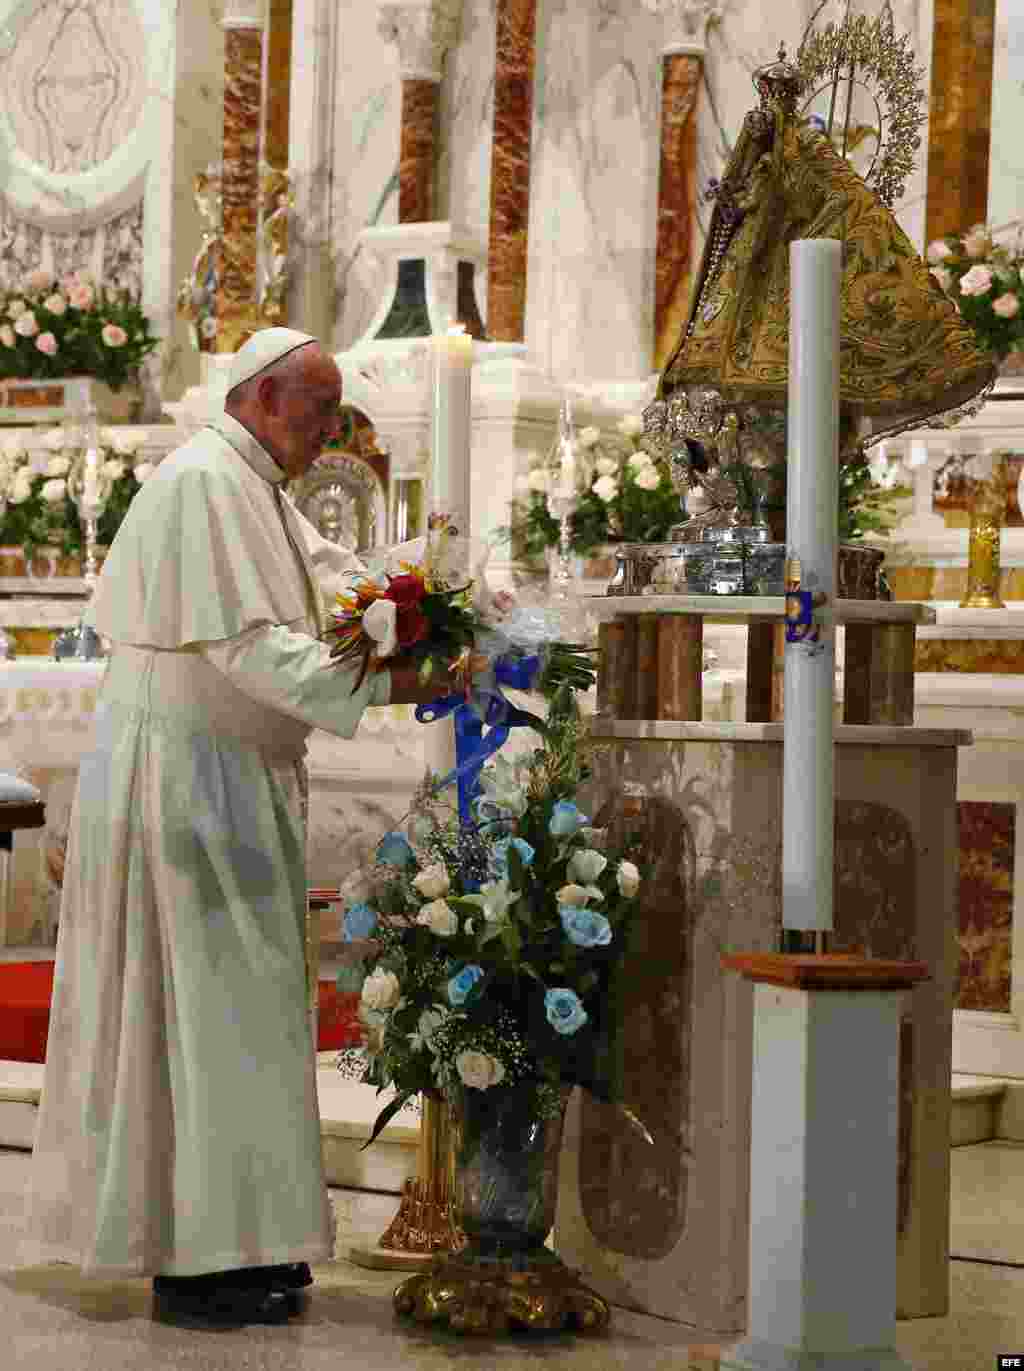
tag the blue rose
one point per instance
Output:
(564, 1010)
(359, 922)
(394, 850)
(566, 820)
(499, 854)
(461, 986)
(585, 927)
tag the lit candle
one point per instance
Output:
(452, 426)
(808, 788)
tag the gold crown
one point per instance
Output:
(779, 81)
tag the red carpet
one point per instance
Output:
(26, 987)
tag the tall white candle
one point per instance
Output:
(808, 829)
(91, 464)
(452, 426)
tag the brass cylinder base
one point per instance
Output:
(502, 1296)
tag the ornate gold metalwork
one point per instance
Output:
(426, 1224)
(500, 1297)
(197, 292)
(277, 200)
(988, 506)
(866, 53)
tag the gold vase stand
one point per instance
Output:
(502, 1295)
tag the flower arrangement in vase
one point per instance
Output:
(52, 328)
(983, 279)
(38, 510)
(494, 947)
(623, 495)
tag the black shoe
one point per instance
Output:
(219, 1301)
(294, 1276)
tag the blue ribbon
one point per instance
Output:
(487, 708)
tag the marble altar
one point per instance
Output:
(665, 1229)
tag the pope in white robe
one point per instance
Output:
(179, 1130)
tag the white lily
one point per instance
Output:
(578, 894)
(380, 622)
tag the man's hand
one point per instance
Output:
(408, 689)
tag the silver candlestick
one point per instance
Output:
(560, 579)
(83, 643)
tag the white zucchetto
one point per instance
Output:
(263, 349)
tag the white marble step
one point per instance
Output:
(977, 1108)
(347, 1111)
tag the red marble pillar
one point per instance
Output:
(417, 153)
(240, 184)
(681, 77)
(510, 169)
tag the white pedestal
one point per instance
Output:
(822, 1182)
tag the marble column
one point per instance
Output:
(510, 169)
(277, 83)
(687, 22)
(960, 121)
(423, 31)
(243, 24)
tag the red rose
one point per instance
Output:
(406, 590)
(411, 625)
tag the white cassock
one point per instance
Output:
(179, 1130)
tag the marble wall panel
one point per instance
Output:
(986, 904)
(243, 73)
(278, 82)
(961, 109)
(363, 163)
(681, 83)
(416, 156)
(594, 174)
(465, 126)
(1006, 152)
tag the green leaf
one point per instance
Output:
(386, 1115)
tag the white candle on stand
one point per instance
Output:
(91, 477)
(808, 829)
(567, 453)
(451, 435)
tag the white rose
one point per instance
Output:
(589, 437)
(594, 837)
(16, 309)
(380, 990)
(53, 491)
(380, 622)
(628, 877)
(54, 440)
(539, 480)
(586, 865)
(13, 448)
(630, 426)
(638, 460)
(606, 488)
(939, 250)
(648, 478)
(142, 471)
(58, 466)
(606, 466)
(578, 894)
(977, 242)
(479, 1069)
(440, 918)
(113, 469)
(432, 882)
(21, 490)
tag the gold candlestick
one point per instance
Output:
(988, 508)
(426, 1224)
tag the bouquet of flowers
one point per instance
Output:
(983, 279)
(494, 948)
(623, 495)
(72, 327)
(429, 608)
(39, 510)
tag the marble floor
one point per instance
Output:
(987, 1218)
(53, 1319)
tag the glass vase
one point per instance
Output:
(506, 1171)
